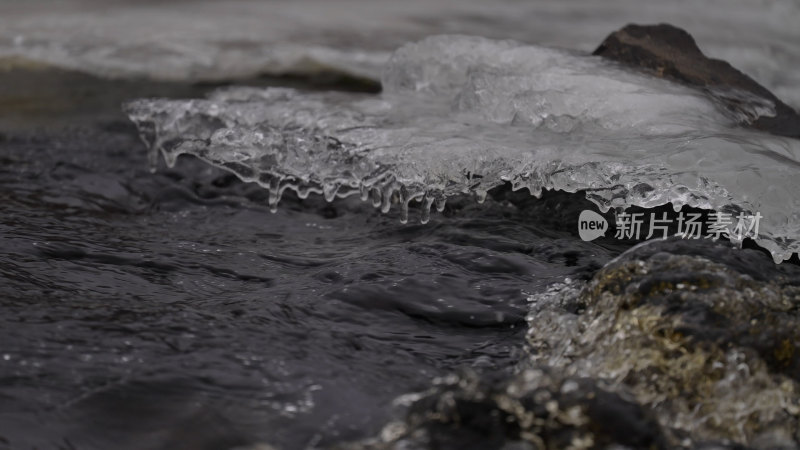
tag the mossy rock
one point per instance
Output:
(705, 334)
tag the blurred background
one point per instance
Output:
(229, 41)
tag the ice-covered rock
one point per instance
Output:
(464, 114)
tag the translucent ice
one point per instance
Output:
(464, 114)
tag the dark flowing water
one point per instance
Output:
(173, 310)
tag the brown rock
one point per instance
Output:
(672, 53)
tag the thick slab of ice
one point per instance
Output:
(464, 114)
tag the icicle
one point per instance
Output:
(302, 191)
(386, 205)
(440, 202)
(404, 212)
(481, 195)
(376, 197)
(427, 202)
(170, 158)
(329, 191)
(274, 194)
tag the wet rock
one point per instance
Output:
(535, 409)
(675, 344)
(706, 335)
(672, 53)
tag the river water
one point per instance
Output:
(217, 233)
